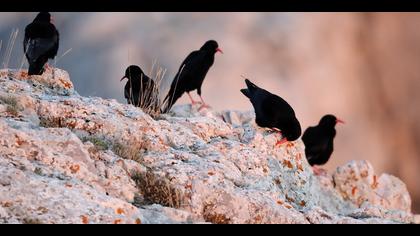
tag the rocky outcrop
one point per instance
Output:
(65, 158)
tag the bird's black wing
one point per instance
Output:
(127, 91)
(315, 143)
(180, 81)
(37, 47)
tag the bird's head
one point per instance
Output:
(211, 46)
(43, 17)
(330, 121)
(132, 71)
(292, 130)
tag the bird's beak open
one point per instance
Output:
(123, 78)
(219, 50)
(340, 121)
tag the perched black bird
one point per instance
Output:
(318, 141)
(273, 112)
(139, 89)
(40, 43)
(191, 74)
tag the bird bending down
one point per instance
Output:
(40, 43)
(319, 141)
(271, 111)
(191, 74)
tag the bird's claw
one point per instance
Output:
(318, 171)
(47, 67)
(204, 106)
(193, 103)
(280, 142)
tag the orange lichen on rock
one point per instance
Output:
(353, 190)
(120, 211)
(74, 168)
(300, 167)
(66, 84)
(375, 182)
(85, 219)
(288, 164)
(117, 221)
(19, 141)
(23, 74)
(188, 186)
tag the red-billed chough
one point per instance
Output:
(139, 88)
(191, 74)
(273, 112)
(40, 43)
(318, 141)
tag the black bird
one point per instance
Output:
(318, 141)
(139, 89)
(273, 112)
(40, 43)
(191, 74)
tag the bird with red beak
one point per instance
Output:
(319, 141)
(191, 75)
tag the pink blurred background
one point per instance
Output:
(362, 67)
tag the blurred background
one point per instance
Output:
(362, 67)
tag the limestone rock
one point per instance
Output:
(65, 158)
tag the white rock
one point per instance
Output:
(190, 166)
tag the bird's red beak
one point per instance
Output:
(219, 50)
(340, 121)
(123, 78)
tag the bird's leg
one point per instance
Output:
(317, 170)
(281, 141)
(192, 100)
(47, 66)
(204, 104)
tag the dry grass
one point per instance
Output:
(150, 101)
(13, 106)
(130, 152)
(57, 59)
(100, 144)
(211, 216)
(9, 48)
(156, 189)
(31, 221)
(168, 102)
(38, 171)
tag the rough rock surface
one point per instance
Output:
(65, 158)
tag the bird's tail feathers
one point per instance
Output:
(246, 93)
(171, 99)
(251, 86)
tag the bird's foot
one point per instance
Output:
(47, 67)
(318, 171)
(281, 141)
(204, 106)
(193, 103)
